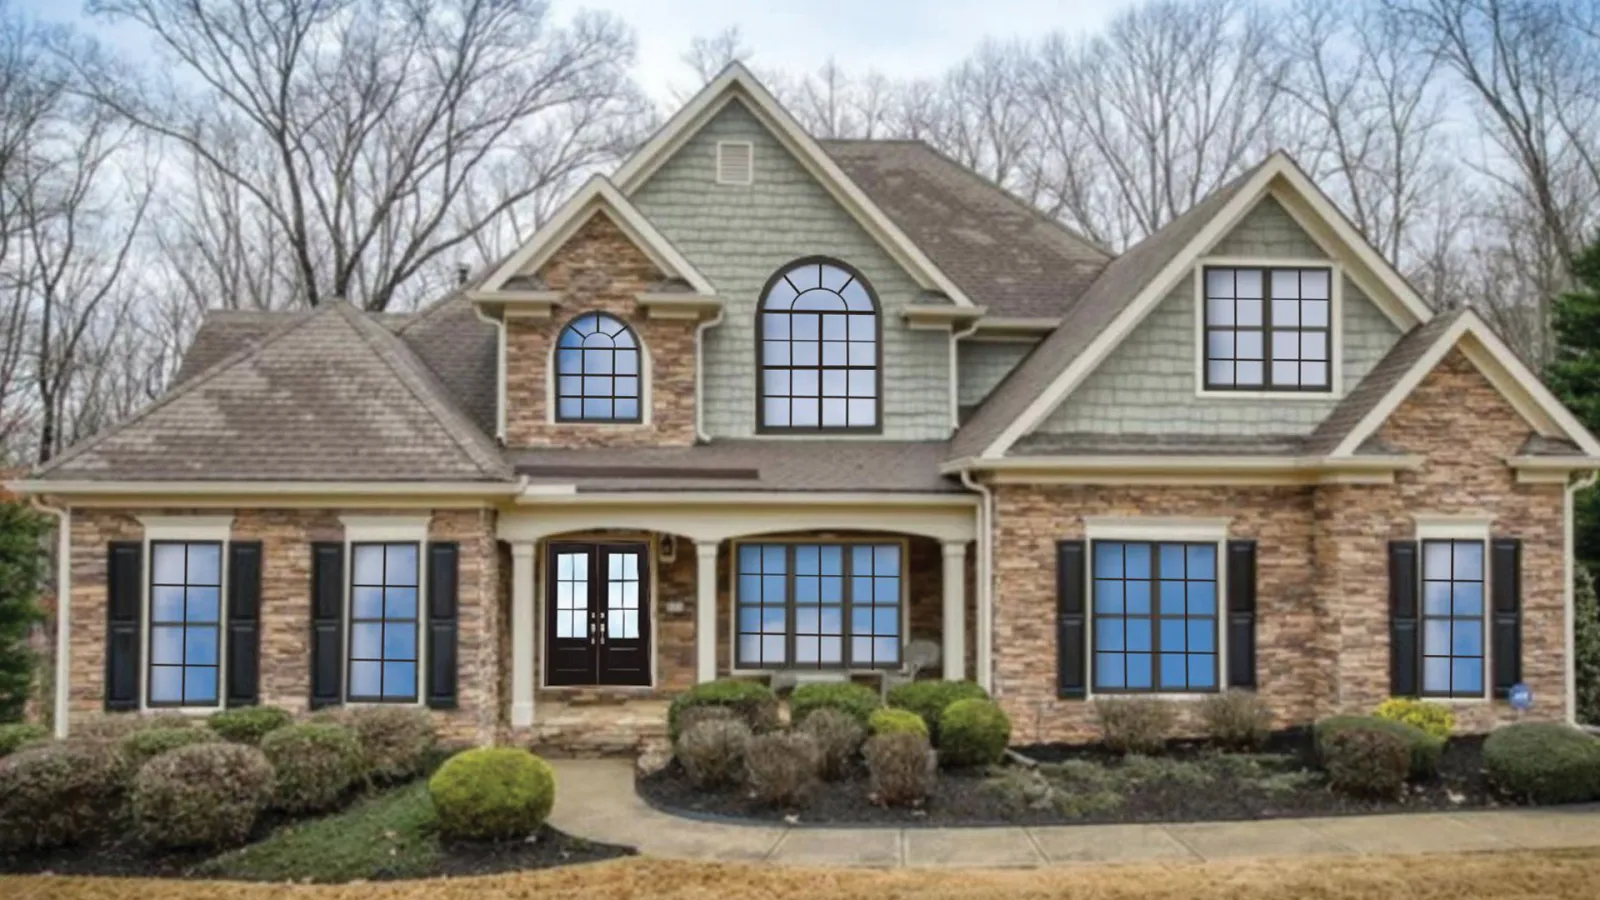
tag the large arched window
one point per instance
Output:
(597, 371)
(817, 340)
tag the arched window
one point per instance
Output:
(817, 339)
(597, 371)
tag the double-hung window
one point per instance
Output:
(384, 622)
(185, 623)
(1452, 618)
(819, 606)
(1268, 329)
(1155, 616)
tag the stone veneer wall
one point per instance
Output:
(600, 269)
(1322, 564)
(286, 536)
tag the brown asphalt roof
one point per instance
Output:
(223, 332)
(1003, 253)
(745, 465)
(330, 396)
(1084, 444)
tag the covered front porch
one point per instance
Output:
(620, 601)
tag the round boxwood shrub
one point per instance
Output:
(1544, 762)
(116, 726)
(202, 795)
(55, 794)
(14, 737)
(928, 699)
(140, 747)
(492, 793)
(711, 750)
(397, 742)
(316, 762)
(1425, 748)
(1434, 718)
(248, 724)
(855, 700)
(896, 721)
(973, 733)
(1366, 762)
(753, 701)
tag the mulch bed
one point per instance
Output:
(1282, 784)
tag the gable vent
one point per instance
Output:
(734, 162)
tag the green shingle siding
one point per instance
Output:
(983, 364)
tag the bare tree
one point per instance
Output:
(357, 127)
(707, 56)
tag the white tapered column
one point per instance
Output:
(522, 636)
(705, 611)
(955, 610)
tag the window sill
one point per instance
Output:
(148, 710)
(1269, 395)
(1184, 697)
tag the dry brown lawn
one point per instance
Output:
(1464, 877)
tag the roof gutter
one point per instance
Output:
(1108, 468)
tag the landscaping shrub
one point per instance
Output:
(1366, 761)
(140, 747)
(711, 750)
(856, 700)
(492, 793)
(1236, 719)
(55, 794)
(781, 767)
(202, 795)
(1434, 718)
(754, 702)
(396, 741)
(1544, 762)
(1135, 724)
(697, 714)
(973, 733)
(838, 735)
(316, 764)
(929, 699)
(897, 721)
(116, 726)
(248, 724)
(902, 767)
(15, 736)
(1425, 748)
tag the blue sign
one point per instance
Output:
(1521, 697)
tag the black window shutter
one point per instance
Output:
(327, 623)
(1072, 669)
(1505, 573)
(1404, 660)
(1242, 614)
(124, 599)
(244, 623)
(442, 605)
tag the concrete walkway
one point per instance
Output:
(595, 799)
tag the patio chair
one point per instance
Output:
(920, 654)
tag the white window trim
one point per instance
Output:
(385, 530)
(750, 149)
(1157, 530)
(1466, 527)
(185, 529)
(733, 593)
(540, 598)
(552, 374)
(1335, 327)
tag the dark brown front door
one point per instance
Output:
(597, 614)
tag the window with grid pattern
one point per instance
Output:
(817, 337)
(1155, 617)
(384, 622)
(819, 606)
(597, 371)
(1452, 618)
(1268, 329)
(185, 622)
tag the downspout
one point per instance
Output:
(700, 435)
(985, 636)
(1569, 588)
(63, 517)
(500, 373)
(955, 373)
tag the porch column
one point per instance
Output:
(955, 610)
(522, 633)
(705, 611)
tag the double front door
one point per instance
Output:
(597, 614)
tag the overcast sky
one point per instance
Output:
(897, 37)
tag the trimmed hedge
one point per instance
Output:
(902, 767)
(15, 736)
(896, 721)
(140, 747)
(856, 700)
(248, 724)
(202, 795)
(397, 742)
(929, 699)
(316, 764)
(116, 726)
(1425, 748)
(58, 793)
(1135, 724)
(973, 733)
(1366, 762)
(492, 793)
(1544, 762)
(1434, 718)
(754, 702)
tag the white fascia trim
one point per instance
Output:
(1504, 369)
(597, 194)
(1184, 463)
(1155, 528)
(568, 495)
(1335, 329)
(276, 488)
(736, 81)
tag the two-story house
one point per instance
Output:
(759, 403)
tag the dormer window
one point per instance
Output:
(817, 341)
(1268, 329)
(598, 371)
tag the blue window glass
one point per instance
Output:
(597, 371)
(185, 623)
(819, 605)
(1155, 616)
(1452, 618)
(384, 622)
(818, 334)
